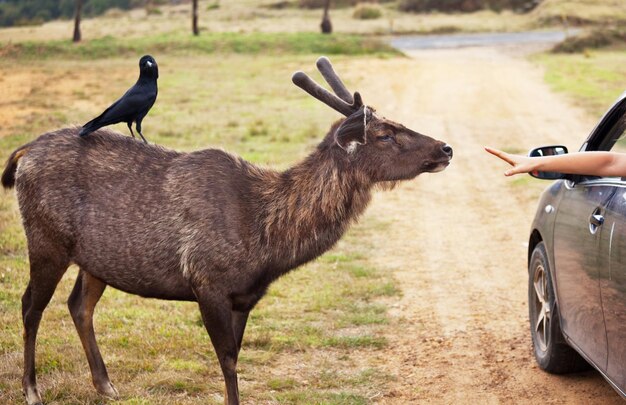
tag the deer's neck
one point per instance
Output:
(306, 209)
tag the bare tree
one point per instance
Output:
(194, 17)
(327, 27)
(79, 7)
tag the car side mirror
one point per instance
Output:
(548, 151)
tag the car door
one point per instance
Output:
(613, 288)
(590, 256)
(613, 274)
(577, 242)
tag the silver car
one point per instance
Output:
(577, 264)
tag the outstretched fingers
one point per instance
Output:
(502, 155)
(513, 160)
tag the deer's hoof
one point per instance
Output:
(108, 390)
(32, 396)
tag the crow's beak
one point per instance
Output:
(149, 63)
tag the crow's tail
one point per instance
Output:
(8, 175)
(89, 127)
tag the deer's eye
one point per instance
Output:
(385, 138)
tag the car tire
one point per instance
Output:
(552, 352)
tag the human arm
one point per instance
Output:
(603, 164)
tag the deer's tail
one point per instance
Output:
(8, 175)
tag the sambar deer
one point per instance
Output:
(204, 226)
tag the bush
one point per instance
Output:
(114, 13)
(152, 10)
(367, 12)
(321, 3)
(595, 39)
(465, 6)
(213, 6)
(19, 12)
(97, 7)
(333, 3)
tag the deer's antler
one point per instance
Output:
(326, 69)
(343, 102)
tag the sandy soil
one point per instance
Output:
(458, 242)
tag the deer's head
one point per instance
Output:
(385, 150)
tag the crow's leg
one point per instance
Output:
(138, 126)
(130, 126)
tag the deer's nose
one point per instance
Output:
(447, 149)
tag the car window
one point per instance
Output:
(618, 132)
(615, 138)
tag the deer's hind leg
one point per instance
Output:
(83, 299)
(47, 266)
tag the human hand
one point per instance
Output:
(521, 164)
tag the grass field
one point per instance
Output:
(263, 16)
(255, 16)
(592, 79)
(303, 341)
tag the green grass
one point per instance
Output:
(316, 398)
(208, 43)
(593, 79)
(158, 351)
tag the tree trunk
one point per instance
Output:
(79, 7)
(327, 27)
(194, 17)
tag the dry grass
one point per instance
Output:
(250, 16)
(579, 12)
(253, 16)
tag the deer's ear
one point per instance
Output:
(351, 132)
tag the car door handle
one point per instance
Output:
(596, 219)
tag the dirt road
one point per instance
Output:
(458, 240)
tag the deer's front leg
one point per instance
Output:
(216, 312)
(239, 320)
(242, 305)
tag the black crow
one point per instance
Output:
(134, 104)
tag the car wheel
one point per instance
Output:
(552, 352)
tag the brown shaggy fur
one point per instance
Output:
(204, 226)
